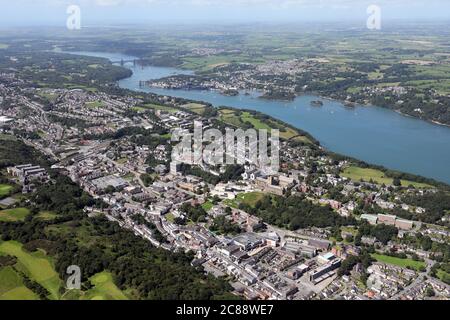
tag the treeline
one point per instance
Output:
(382, 232)
(295, 212)
(364, 258)
(195, 213)
(436, 205)
(222, 225)
(62, 196)
(128, 132)
(14, 152)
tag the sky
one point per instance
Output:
(97, 12)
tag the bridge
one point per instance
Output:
(122, 62)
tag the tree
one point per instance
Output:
(397, 182)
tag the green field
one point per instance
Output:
(356, 174)
(207, 205)
(256, 123)
(250, 198)
(229, 116)
(104, 288)
(195, 107)
(95, 104)
(210, 62)
(46, 215)
(443, 276)
(37, 265)
(12, 287)
(155, 107)
(404, 263)
(5, 189)
(170, 217)
(17, 214)
(4, 46)
(48, 96)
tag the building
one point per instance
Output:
(272, 239)
(326, 258)
(175, 167)
(371, 218)
(404, 224)
(248, 241)
(28, 172)
(325, 271)
(387, 219)
(4, 120)
(302, 249)
(319, 244)
(254, 223)
(228, 250)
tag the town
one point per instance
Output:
(310, 231)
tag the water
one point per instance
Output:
(372, 134)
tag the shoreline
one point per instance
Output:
(433, 181)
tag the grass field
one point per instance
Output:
(230, 117)
(12, 287)
(155, 107)
(5, 189)
(250, 198)
(444, 276)
(95, 104)
(104, 288)
(35, 265)
(356, 174)
(256, 123)
(170, 217)
(48, 96)
(404, 263)
(46, 215)
(17, 214)
(195, 107)
(207, 205)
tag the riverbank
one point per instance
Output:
(374, 135)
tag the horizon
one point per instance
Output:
(172, 12)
